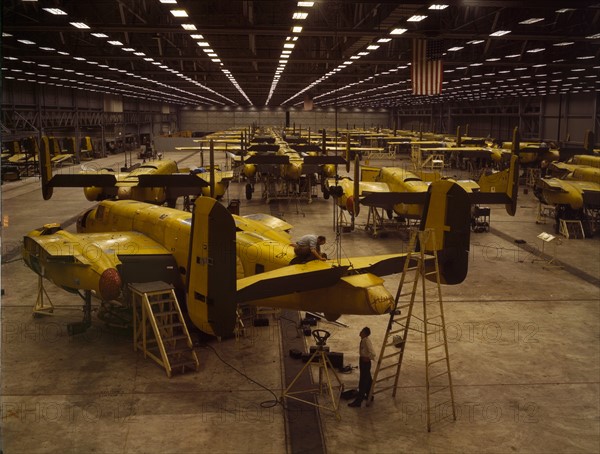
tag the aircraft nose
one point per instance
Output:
(110, 284)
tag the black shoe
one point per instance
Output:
(355, 403)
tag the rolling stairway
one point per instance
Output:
(438, 379)
(159, 329)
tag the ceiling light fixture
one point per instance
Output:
(55, 11)
(533, 20)
(500, 33)
(179, 13)
(79, 25)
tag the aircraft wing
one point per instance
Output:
(176, 180)
(387, 200)
(290, 279)
(379, 265)
(270, 221)
(320, 160)
(268, 159)
(79, 180)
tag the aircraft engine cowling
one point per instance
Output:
(350, 206)
(110, 284)
(95, 194)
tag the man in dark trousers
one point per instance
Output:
(309, 248)
(366, 355)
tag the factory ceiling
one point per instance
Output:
(284, 53)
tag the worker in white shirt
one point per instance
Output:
(366, 355)
(309, 248)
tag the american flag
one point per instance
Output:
(426, 70)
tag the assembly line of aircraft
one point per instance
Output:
(217, 260)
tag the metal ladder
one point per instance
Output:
(417, 267)
(155, 306)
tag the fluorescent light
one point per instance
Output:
(139, 54)
(189, 27)
(455, 49)
(564, 43)
(79, 25)
(170, 2)
(384, 40)
(500, 33)
(289, 45)
(128, 49)
(438, 6)
(475, 41)
(100, 35)
(299, 15)
(373, 47)
(533, 20)
(297, 29)
(55, 11)
(196, 36)
(202, 43)
(512, 56)
(564, 10)
(586, 57)
(115, 43)
(536, 50)
(398, 31)
(596, 36)
(25, 41)
(416, 18)
(306, 4)
(179, 13)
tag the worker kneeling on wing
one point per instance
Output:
(308, 248)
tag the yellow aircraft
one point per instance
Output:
(397, 189)
(281, 166)
(217, 260)
(152, 182)
(574, 189)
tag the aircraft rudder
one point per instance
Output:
(212, 283)
(448, 212)
(46, 172)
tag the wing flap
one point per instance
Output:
(290, 279)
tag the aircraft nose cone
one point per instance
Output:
(110, 284)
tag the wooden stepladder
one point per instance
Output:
(159, 329)
(419, 268)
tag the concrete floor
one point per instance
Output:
(523, 341)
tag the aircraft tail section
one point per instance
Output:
(448, 212)
(46, 172)
(211, 286)
(500, 187)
